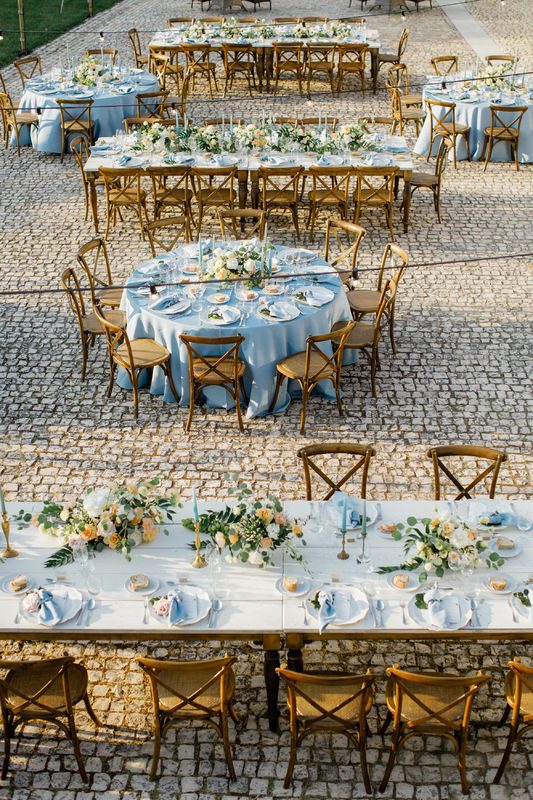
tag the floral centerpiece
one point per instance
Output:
(338, 28)
(120, 516)
(439, 544)
(90, 72)
(252, 136)
(195, 31)
(148, 135)
(499, 77)
(355, 137)
(247, 261)
(251, 530)
(264, 31)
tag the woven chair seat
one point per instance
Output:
(126, 197)
(91, 323)
(424, 179)
(361, 336)
(414, 113)
(280, 198)
(412, 99)
(364, 301)
(78, 125)
(459, 128)
(294, 366)
(178, 196)
(146, 352)
(30, 682)
(214, 198)
(226, 368)
(388, 58)
(187, 685)
(110, 297)
(499, 132)
(26, 117)
(371, 198)
(327, 197)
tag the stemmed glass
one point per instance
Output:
(80, 554)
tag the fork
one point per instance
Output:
(145, 618)
(17, 616)
(404, 612)
(513, 610)
(306, 619)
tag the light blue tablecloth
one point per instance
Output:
(476, 114)
(109, 109)
(265, 344)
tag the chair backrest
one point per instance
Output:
(354, 20)
(71, 284)
(442, 157)
(115, 335)
(230, 222)
(121, 184)
(288, 57)
(288, 20)
(217, 121)
(519, 689)
(375, 183)
(176, 228)
(170, 184)
(40, 688)
(432, 701)
(320, 56)
(443, 65)
(7, 109)
(346, 262)
(180, 22)
(329, 183)
(27, 67)
(237, 57)
(391, 252)
(210, 181)
(328, 366)
(507, 118)
(75, 112)
(212, 366)
(503, 59)
(133, 35)
(277, 182)
(311, 122)
(329, 701)
(197, 56)
(3, 86)
(439, 120)
(490, 454)
(94, 259)
(98, 52)
(190, 688)
(158, 65)
(152, 104)
(402, 44)
(352, 56)
(399, 77)
(310, 453)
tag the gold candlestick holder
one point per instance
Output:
(8, 552)
(343, 555)
(198, 561)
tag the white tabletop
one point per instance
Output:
(251, 602)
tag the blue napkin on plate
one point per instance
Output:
(50, 613)
(182, 606)
(164, 302)
(324, 161)
(352, 514)
(123, 160)
(326, 612)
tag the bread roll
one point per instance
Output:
(18, 583)
(290, 584)
(401, 581)
(497, 583)
(139, 582)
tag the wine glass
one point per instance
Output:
(80, 554)
(94, 580)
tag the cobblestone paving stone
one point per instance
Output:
(462, 373)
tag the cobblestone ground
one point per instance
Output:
(462, 374)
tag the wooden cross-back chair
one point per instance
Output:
(442, 123)
(397, 57)
(330, 190)
(495, 458)
(97, 52)
(126, 194)
(233, 223)
(171, 189)
(310, 453)
(191, 690)
(80, 151)
(346, 261)
(159, 66)
(150, 108)
(320, 59)
(140, 60)
(279, 188)
(432, 181)
(225, 370)
(502, 59)
(375, 189)
(46, 690)
(15, 120)
(519, 697)
(27, 68)
(444, 65)
(401, 114)
(75, 119)
(288, 59)
(365, 338)
(329, 702)
(213, 187)
(94, 259)
(217, 121)
(313, 365)
(88, 324)
(180, 22)
(351, 62)
(505, 122)
(133, 355)
(171, 70)
(198, 62)
(176, 229)
(399, 77)
(430, 703)
(367, 301)
(238, 60)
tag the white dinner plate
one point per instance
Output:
(218, 297)
(153, 586)
(204, 606)
(419, 616)
(225, 161)
(5, 585)
(133, 162)
(232, 315)
(359, 605)
(304, 584)
(385, 534)
(68, 599)
(291, 312)
(331, 161)
(321, 296)
(273, 290)
(179, 307)
(504, 553)
(511, 583)
(488, 526)
(413, 584)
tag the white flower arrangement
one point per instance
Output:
(90, 72)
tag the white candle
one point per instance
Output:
(231, 125)
(2, 504)
(102, 55)
(177, 122)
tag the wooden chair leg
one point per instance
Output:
(390, 762)
(238, 408)
(135, 393)
(168, 373)
(191, 406)
(227, 746)
(76, 746)
(462, 764)
(279, 380)
(507, 752)
(90, 711)
(157, 748)
(292, 760)
(305, 396)
(7, 749)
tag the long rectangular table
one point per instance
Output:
(253, 609)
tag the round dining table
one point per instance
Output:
(473, 109)
(112, 103)
(177, 309)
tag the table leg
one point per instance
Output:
(406, 200)
(91, 179)
(271, 647)
(374, 68)
(260, 67)
(295, 643)
(269, 61)
(254, 190)
(243, 187)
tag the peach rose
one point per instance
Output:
(279, 519)
(113, 541)
(233, 538)
(266, 542)
(265, 514)
(297, 529)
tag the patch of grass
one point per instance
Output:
(43, 21)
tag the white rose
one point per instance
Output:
(220, 539)
(232, 263)
(256, 558)
(273, 530)
(95, 502)
(249, 266)
(428, 566)
(137, 537)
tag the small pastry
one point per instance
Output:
(387, 527)
(290, 584)
(504, 543)
(497, 583)
(18, 583)
(220, 298)
(139, 582)
(401, 581)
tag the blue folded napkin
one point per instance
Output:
(164, 302)
(352, 513)
(182, 606)
(123, 160)
(323, 161)
(326, 612)
(50, 613)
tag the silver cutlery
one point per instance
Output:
(89, 605)
(145, 617)
(474, 620)
(380, 606)
(17, 616)
(215, 608)
(304, 606)
(404, 612)
(513, 610)
(81, 612)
